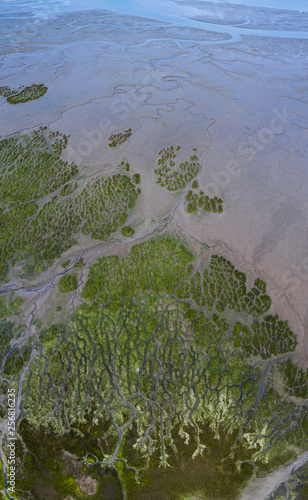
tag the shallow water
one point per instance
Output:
(277, 4)
(176, 13)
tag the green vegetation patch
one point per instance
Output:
(14, 358)
(51, 467)
(124, 165)
(127, 231)
(68, 189)
(38, 226)
(10, 305)
(224, 287)
(16, 96)
(6, 91)
(118, 138)
(68, 283)
(172, 175)
(136, 178)
(80, 263)
(196, 201)
(173, 364)
(295, 379)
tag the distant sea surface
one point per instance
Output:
(116, 4)
(181, 13)
(276, 4)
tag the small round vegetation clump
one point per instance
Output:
(68, 283)
(127, 231)
(195, 185)
(65, 263)
(58, 308)
(80, 263)
(136, 178)
(191, 207)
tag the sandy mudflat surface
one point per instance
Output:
(243, 105)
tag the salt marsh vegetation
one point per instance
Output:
(171, 362)
(172, 174)
(127, 231)
(201, 200)
(40, 216)
(68, 283)
(23, 94)
(119, 137)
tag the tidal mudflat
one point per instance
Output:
(154, 269)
